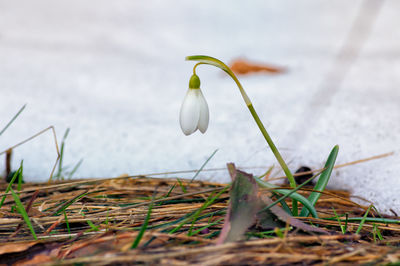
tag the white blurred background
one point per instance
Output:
(114, 73)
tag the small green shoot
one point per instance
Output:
(267, 173)
(135, 244)
(93, 227)
(181, 185)
(61, 171)
(363, 220)
(67, 223)
(342, 227)
(16, 174)
(376, 232)
(279, 232)
(22, 211)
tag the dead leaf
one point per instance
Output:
(16, 247)
(244, 67)
(36, 260)
(244, 205)
(287, 218)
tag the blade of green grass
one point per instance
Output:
(20, 177)
(65, 205)
(322, 180)
(198, 211)
(206, 226)
(197, 215)
(144, 226)
(12, 119)
(368, 219)
(169, 192)
(60, 162)
(267, 173)
(67, 223)
(22, 211)
(204, 164)
(182, 186)
(339, 221)
(93, 227)
(75, 169)
(10, 185)
(363, 220)
(376, 232)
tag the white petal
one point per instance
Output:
(190, 112)
(204, 113)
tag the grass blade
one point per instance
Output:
(198, 211)
(22, 211)
(20, 177)
(16, 174)
(367, 219)
(363, 220)
(204, 164)
(65, 205)
(181, 185)
(75, 169)
(67, 223)
(144, 227)
(12, 119)
(322, 180)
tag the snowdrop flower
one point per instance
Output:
(194, 110)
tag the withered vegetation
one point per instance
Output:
(96, 221)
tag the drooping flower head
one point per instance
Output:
(194, 112)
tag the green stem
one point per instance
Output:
(215, 62)
(202, 59)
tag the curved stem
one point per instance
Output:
(203, 59)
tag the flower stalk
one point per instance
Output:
(202, 59)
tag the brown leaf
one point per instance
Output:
(36, 260)
(287, 218)
(243, 206)
(15, 247)
(244, 67)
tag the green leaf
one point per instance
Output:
(22, 211)
(360, 226)
(16, 174)
(144, 226)
(322, 180)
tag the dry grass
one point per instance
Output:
(115, 209)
